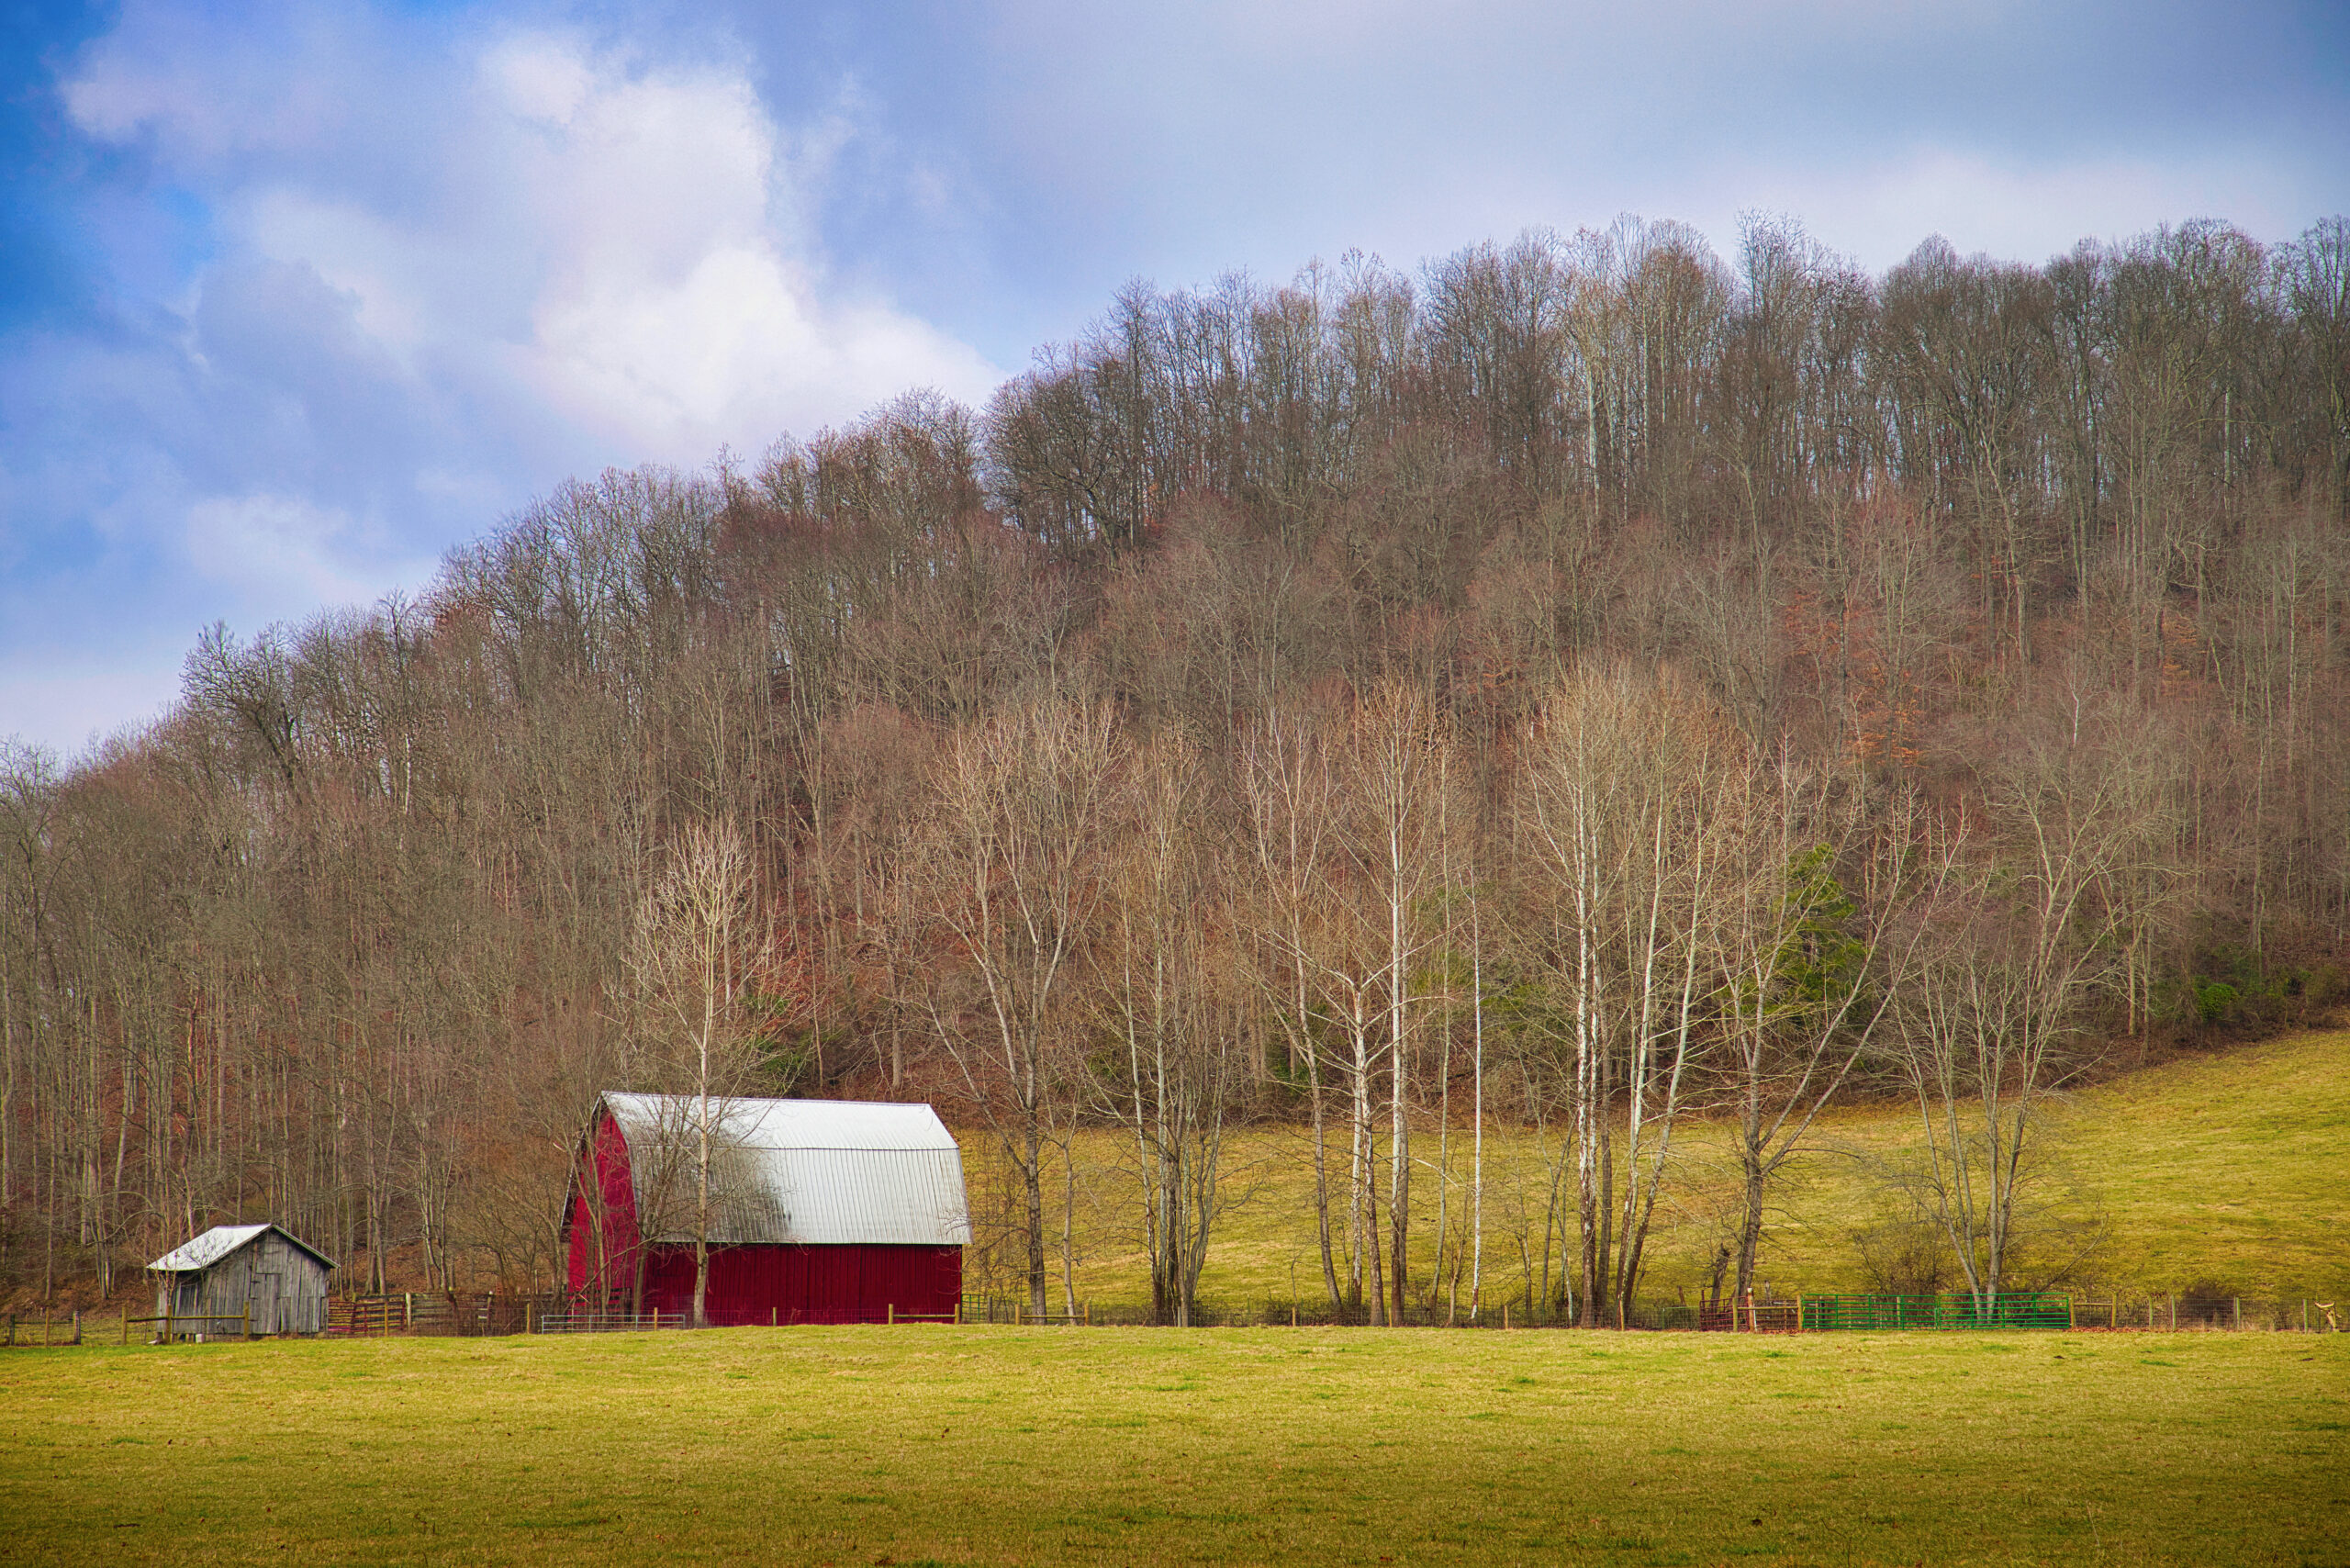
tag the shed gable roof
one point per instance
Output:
(813, 1172)
(203, 1251)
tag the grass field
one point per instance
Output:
(2230, 1171)
(936, 1444)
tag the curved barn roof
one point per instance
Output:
(814, 1172)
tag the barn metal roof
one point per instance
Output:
(819, 1173)
(192, 1257)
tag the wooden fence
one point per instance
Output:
(173, 1325)
(20, 1330)
(468, 1313)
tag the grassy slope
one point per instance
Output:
(2228, 1169)
(980, 1445)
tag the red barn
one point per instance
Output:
(822, 1210)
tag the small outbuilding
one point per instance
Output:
(233, 1267)
(822, 1210)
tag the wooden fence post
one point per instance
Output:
(2235, 1308)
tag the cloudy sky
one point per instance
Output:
(294, 295)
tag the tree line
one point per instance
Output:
(1587, 683)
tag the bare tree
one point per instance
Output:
(1811, 972)
(1632, 796)
(1992, 1026)
(691, 966)
(1399, 774)
(1172, 1082)
(1009, 871)
(1289, 786)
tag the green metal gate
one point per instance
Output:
(2008, 1309)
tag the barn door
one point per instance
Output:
(265, 1296)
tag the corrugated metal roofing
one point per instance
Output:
(817, 1172)
(190, 1257)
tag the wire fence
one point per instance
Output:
(43, 1331)
(1762, 1314)
(464, 1313)
(403, 1314)
(608, 1322)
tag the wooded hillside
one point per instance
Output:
(1587, 683)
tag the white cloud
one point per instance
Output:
(625, 247)
(379, 278)
(680, 307)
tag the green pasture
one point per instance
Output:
(939, 1444)
(2230, 1172)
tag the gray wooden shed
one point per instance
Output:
(232, 1267)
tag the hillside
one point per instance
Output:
(2224, 1171)
(1662, 667)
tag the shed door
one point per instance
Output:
(265, 1296)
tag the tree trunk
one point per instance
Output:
(1031, 1182)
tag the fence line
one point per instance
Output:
(493, 1312)
(1762, 1312)
(468, 1313)
(45, 1324)
(607, 1322)
(170, 1322)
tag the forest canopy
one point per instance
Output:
(1590, 681)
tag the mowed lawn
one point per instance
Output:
(994, 1445)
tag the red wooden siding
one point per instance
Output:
(784, 1283)
(748, 1284)
(603, 1170)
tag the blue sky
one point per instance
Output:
(294, 295)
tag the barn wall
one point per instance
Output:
(603, 1217)
(285, 1287)
(223, 1289)
(758, 1284)
(298, 1303)
(749, 1284)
